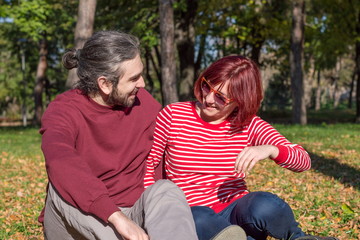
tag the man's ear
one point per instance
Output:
(104, 85)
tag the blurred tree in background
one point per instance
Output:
(34, 35)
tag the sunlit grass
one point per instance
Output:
(325, 200)
(22, 183)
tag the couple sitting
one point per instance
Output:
(95, 139)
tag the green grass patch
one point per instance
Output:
(22, 183)
(20, 141)
(325, 200)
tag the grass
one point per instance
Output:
(22, 183)
(325, 200)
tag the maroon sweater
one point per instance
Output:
(95, 154)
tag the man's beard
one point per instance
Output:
(118, 99)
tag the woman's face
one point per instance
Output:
(212, 109)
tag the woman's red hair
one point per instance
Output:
(245, 86)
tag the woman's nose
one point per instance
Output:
(209, 98)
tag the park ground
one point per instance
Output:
(325, 199)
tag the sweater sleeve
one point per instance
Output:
(291, 156)
(68, 172)
(161, 135)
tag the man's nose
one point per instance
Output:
(140, 83)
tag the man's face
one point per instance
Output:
(124, 93)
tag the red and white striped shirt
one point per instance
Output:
(200, 157)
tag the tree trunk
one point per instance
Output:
(357, 64)
(318, 92)
(168, 65)
(25, 86)
(352, 84)
(83, 30)
(150, 85)
(258, 41)
(185, 39)
(200, 55)
(256, 50)
(296, 65)
(40, 81)
(155, 66)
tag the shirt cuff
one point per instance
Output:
(103, 207)
(283, 154)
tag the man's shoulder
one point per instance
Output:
(147, 100)
(70, 95)
(67, 102)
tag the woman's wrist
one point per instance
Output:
(274, 152)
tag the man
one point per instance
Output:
(95, 139)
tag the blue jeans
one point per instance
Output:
(260, 214)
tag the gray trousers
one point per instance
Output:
(162, 211)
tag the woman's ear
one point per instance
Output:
(104, 85)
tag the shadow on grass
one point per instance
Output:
(347, 175)
(330, 116)
(17, 128)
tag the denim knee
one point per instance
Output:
(264, 213)
(202, 215)
(207, 222)
(266, 205)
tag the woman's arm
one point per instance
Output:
(266, 142)
(161, 134)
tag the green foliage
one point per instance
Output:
(138, 17)
(31, 18)
(330, 30)
(228, 27)
(10, 77)
(28, 22)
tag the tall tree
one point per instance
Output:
(168, 64)
(36, 23)
(296, 63)
(40, 80)
(185, 42)
(83, 30)
(357, 62)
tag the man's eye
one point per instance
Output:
(135, 79)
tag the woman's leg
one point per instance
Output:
(261, 214)
(207, 222)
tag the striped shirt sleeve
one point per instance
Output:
(161, 133)
(291, 156)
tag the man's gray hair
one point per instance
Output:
(101, 55)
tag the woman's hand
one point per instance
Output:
(249, 156)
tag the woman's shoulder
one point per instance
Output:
(258, 123)
(180, 106)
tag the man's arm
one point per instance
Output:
(68, 172)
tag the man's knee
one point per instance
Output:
(164, 183)
(166, 186)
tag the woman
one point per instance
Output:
(211, 145)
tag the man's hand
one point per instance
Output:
(128, 229)
(248, 157)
